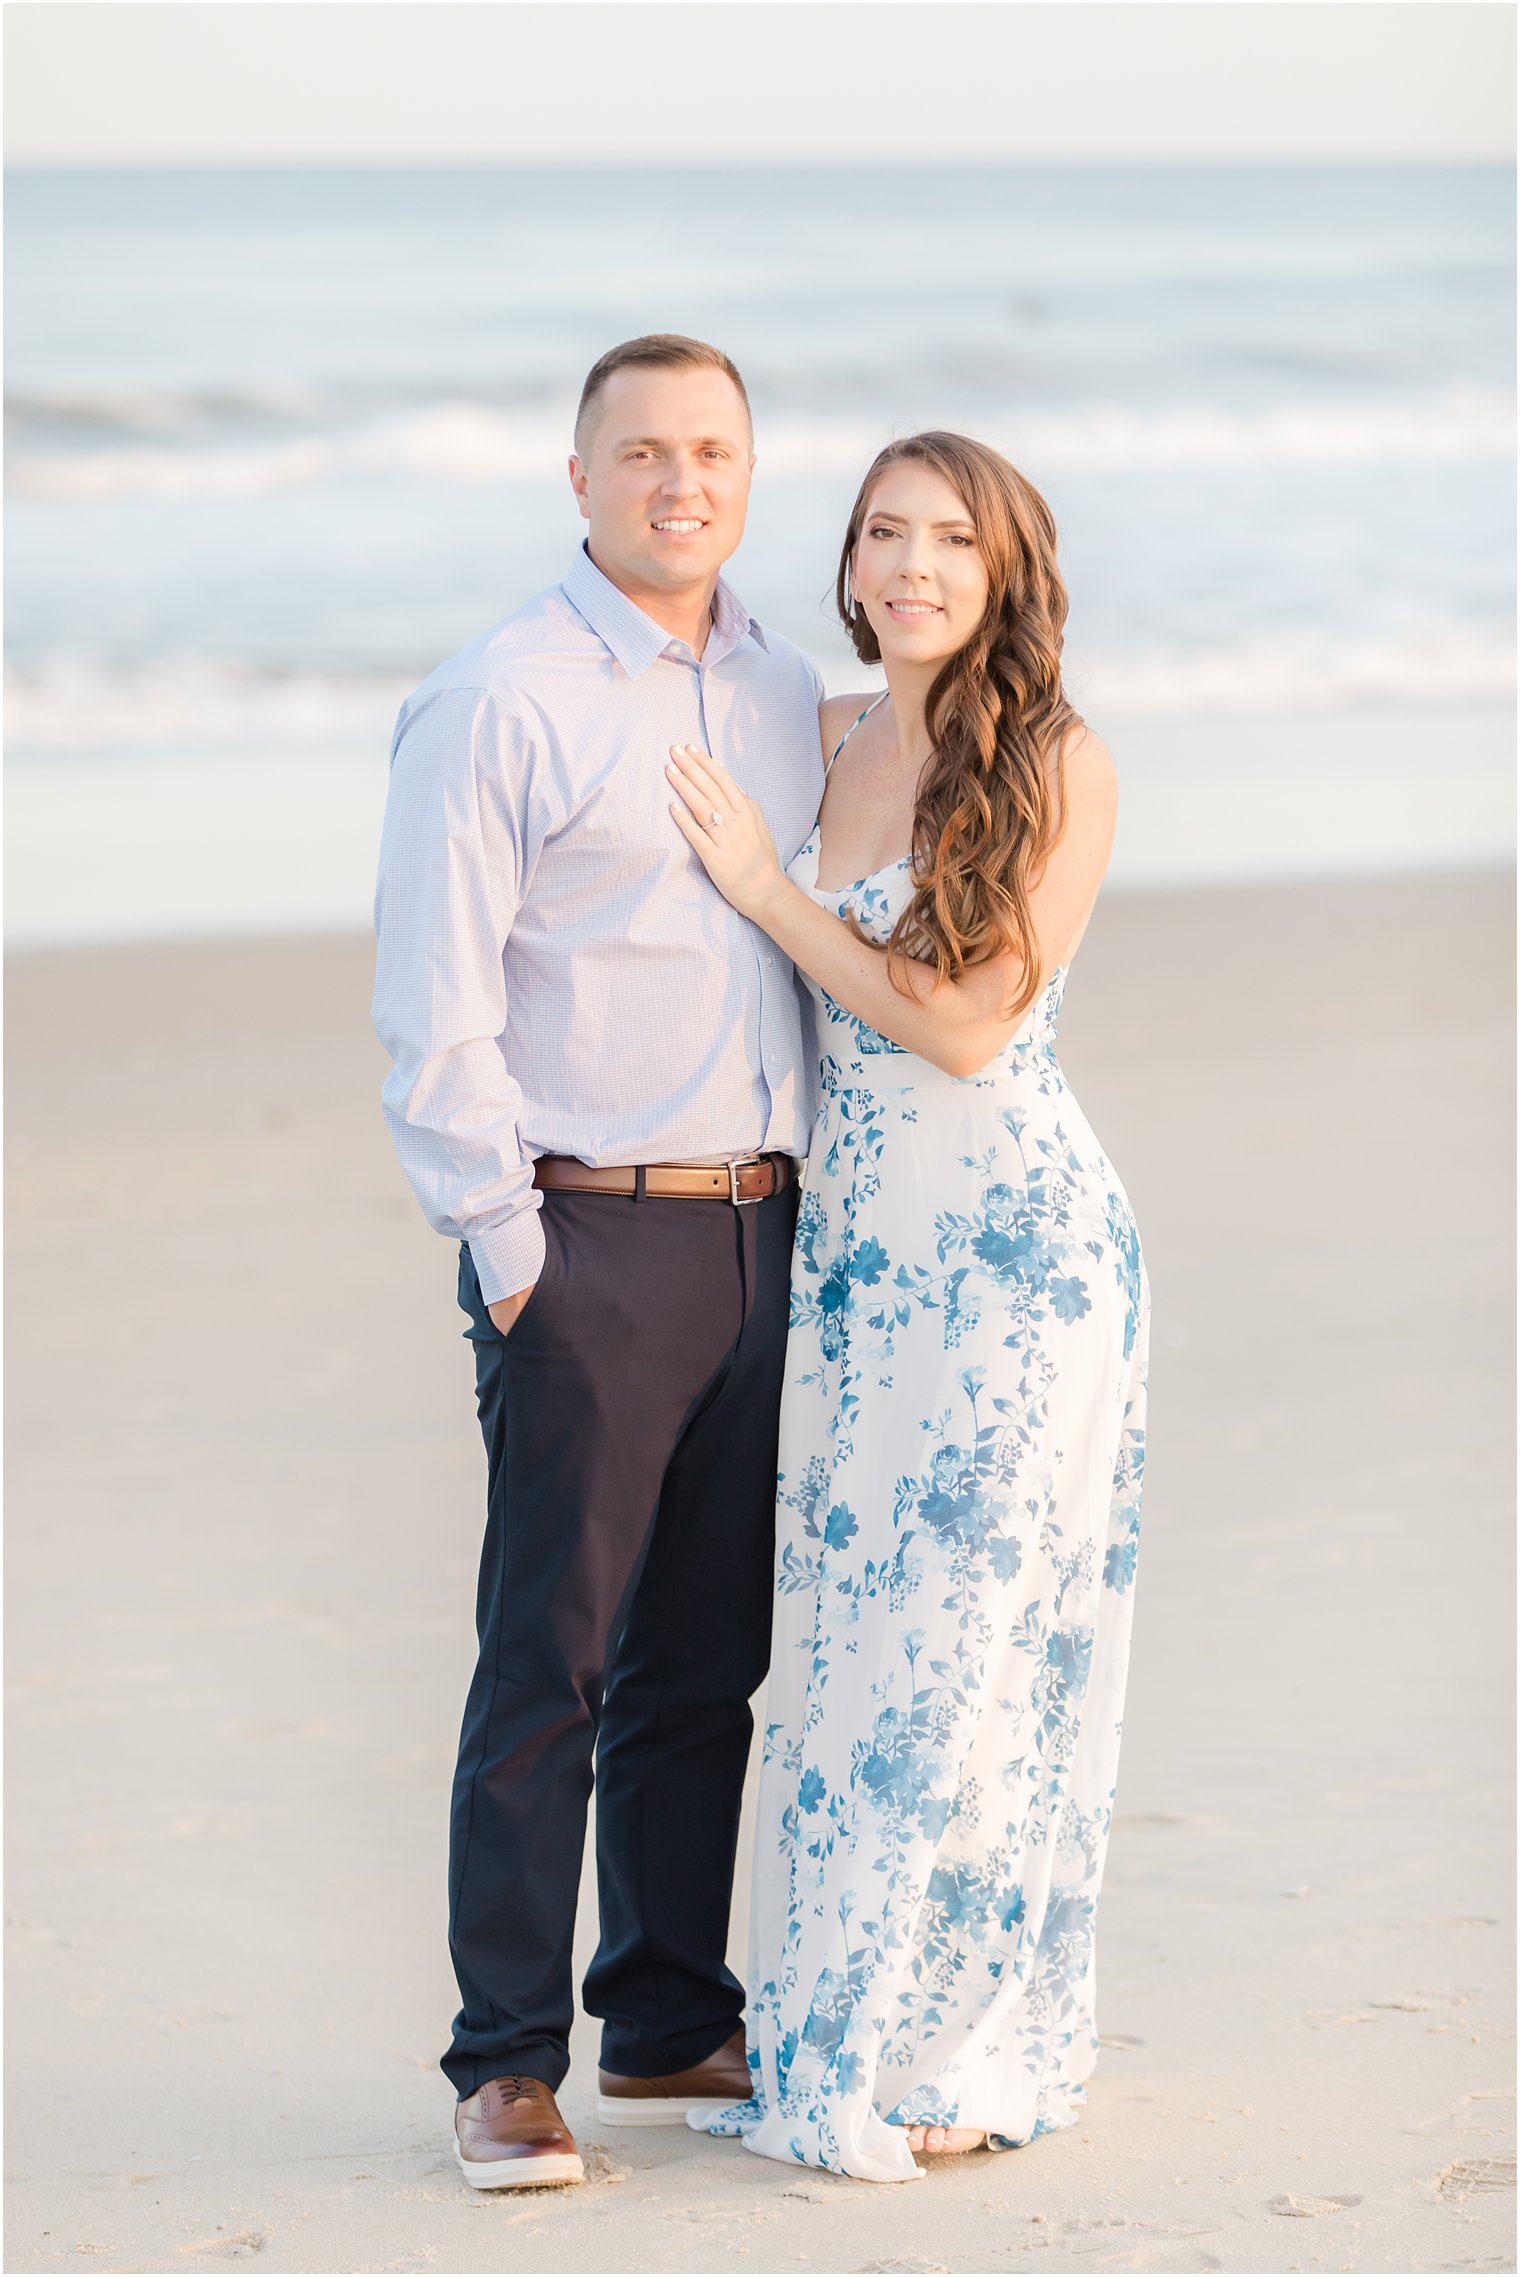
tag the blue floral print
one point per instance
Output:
(962, 1454)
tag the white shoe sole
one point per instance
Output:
(654, 2110)
(519, 2173)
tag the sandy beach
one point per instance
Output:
(245, 1486)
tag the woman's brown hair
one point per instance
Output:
(987, 816)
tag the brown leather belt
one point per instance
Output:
(754, 1178)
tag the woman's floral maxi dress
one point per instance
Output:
(962, 1440)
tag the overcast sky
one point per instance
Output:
(895, 81)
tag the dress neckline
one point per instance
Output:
(815, 841)
(835, 893)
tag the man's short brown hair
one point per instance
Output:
(669, 351)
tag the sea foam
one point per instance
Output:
(473, 441)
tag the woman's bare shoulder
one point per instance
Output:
(1086, 795)
(1082, 747)
(837, 713)
(1089, 778)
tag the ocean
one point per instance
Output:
(279, 440)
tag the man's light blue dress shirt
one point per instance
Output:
(556, 972)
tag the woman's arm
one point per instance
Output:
(956, 1025)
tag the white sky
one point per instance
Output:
(895, 81)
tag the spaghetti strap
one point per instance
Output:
(850, 730)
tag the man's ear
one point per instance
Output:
(580, 484)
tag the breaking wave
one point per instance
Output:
(477, 441)
(77, 704)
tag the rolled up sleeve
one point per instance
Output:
(460, 839)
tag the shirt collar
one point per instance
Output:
(634, 638)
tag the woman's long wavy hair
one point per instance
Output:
(987, 816)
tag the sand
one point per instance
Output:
(244, 1514)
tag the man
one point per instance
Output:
(601, 1083)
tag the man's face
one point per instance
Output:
(662, 475)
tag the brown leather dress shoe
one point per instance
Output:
(719, 2079)
(509, 2135)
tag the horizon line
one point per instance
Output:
(779, 161)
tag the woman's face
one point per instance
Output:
(919, 572)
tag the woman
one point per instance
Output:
(962, 1425)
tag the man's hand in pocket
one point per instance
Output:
(506, 1309)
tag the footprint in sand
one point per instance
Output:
(1286, 2203)
(905, 2268)
(601, 2166)
(1467, 2174)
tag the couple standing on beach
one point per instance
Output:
(879, 1426)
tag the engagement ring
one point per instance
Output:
(717, 819)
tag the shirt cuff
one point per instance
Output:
(510, 1257)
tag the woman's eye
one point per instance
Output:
(877, 531)
(959, 538)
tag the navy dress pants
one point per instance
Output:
(624, 1617)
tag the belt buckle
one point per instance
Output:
(746, 1162)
